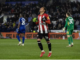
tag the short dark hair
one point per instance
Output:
(44, 8)
(68, 13)
(21, 14)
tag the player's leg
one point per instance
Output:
(39, 37)
(22, 30)
(23, 38)
(69, 38)
(40, 44)
(18, 39)
(46, 36)
(79, 35)
(49, 47)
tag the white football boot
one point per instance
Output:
(19, 43)
(22, 45)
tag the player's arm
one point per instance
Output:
(65, 26)
(18, 24)
(48, 19)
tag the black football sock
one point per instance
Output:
(40, 45)
(49, 46)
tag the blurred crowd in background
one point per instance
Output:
(56, 13)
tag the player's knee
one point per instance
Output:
(38, 39)
(46, 38)
(48, 41)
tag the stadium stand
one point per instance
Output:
(56, 12)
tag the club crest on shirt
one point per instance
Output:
(48, 17)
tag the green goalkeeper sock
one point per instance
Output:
(69, 40)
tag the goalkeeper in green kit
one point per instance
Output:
(70, 27)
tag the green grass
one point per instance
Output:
(10, 50)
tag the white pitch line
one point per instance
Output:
(39, 59)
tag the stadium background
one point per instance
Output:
(9, 14)
(10, 10)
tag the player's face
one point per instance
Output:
(42, 9)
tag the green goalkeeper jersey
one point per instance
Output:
(69, 23)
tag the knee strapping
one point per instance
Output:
(48, 42)
(39, 41)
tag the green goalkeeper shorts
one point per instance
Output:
(69, 32)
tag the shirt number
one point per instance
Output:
(23, 22)
(70, 21)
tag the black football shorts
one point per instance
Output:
(46, 36)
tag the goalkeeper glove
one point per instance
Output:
(63, 29)
(18, 29)
(44, 19)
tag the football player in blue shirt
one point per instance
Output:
(21, 30)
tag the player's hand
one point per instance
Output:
(63, 29)
(43, 23)
(44, 19)
(18, 29)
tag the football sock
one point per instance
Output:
(49, 46)
(42, 51)
(23, 39)
(18, 38)
(69, 40)
(40, 45)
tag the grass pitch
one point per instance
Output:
(10, 50)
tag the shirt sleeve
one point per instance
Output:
(66, 23)
(48, 19)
